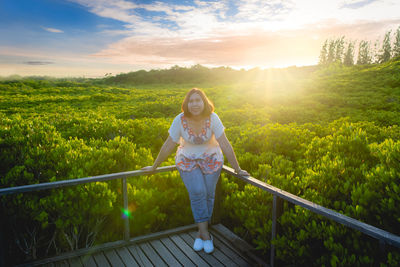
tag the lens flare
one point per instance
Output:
(125, 214)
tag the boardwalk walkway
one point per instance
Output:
(168, 248)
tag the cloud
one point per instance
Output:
(264, 49)
(255, 10)
(256, 48)
(115, 9)
(234, 33)
(203, 19)
(52, 30)
(354, 4)
(196, 19)
(38, 62)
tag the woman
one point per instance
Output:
(199, 158)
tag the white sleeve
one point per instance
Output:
(216, 125)
(175, 129)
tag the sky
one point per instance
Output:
(92, 38)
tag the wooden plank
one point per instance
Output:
(164, 253)
(152, 254)
(88, 261)
(139, 256)
(237, 244)
(101, 260)
(113, 258)
(75, 262)
(230, 252)
(218, 253)
(210, 258)
(330, 214)
(188, 250)
(116, 244)
(182, 258)
(164, 233)
(126, 257)
(232, 237)
(82, 252)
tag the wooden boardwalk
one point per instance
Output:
(168, 248)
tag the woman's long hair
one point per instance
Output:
(208, 105)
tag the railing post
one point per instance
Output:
(126, 213)
(216, 217)
(277, 210)
(382, 248)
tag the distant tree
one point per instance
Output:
(386, 50)
(364, 53)
(175, 67)
(323, 56)
(396, 43)
(375, 53)
(331, 51)
(339, 49)
(349, 55)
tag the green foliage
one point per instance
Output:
(364, 53)
(157, 203)
(196, 74)
(332, 52)
(349, 55)
(396, 43)
(330, 135)
(386, 50)
(350, 167)
(323, 56)
(34, 152)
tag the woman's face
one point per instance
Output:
(195, 104)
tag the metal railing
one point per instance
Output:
(98, 178)
(278, 195)
(383, 236)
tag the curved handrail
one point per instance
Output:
(85, 180)
(333, 215)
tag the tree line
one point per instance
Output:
(343, 51)
(198, 74)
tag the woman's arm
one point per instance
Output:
(230, 154)
(165, 151)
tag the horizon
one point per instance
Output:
(17, 76)
(91, 38)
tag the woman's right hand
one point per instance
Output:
(148, 169)
(242, 172)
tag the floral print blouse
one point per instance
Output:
(198, 151)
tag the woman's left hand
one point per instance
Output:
(149, 169)
(242, 173)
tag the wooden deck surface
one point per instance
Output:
(168, 248)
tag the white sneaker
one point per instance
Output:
(208, 245)
(198, 244)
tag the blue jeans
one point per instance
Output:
(201, 189)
